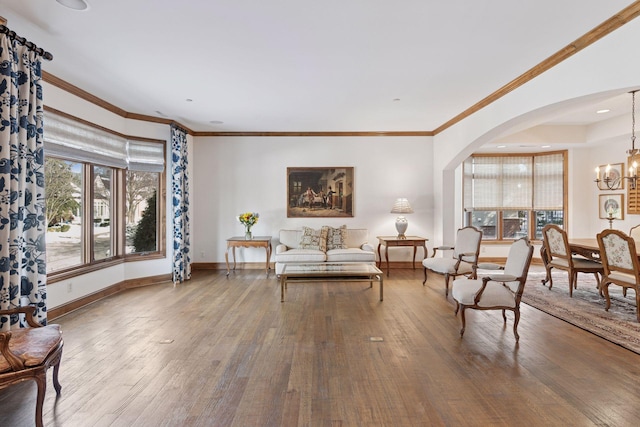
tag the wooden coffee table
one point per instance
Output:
(335, 272)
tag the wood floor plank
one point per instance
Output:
(218, 351)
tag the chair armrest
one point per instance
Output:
(281, 248)
(490, 266)
(367, 247)
(441, 248)
(28, 312)
(16, 363)
(500, 278)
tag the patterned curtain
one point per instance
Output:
(180, 190)
(22, 213)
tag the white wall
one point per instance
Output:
(239, 174)
(605, 66)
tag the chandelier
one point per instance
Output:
(612, 181)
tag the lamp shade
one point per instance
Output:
(401, 206)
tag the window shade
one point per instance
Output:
(519, 182)
(145, 156)
(73, 140)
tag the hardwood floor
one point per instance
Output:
(225, 352)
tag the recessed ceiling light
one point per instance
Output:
(74, 4)
(396, 99)
(545, 146)
(606, 110)
(189, 100)
(216, 122)
(501, 146)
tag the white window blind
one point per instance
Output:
(71, 139)
(519, 182)
(549, 182)
(145, 156)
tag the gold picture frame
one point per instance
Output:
(611, 203)
(320, 192)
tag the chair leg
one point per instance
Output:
(504, 316)
(571, 282)
(457, 308)
(425, 276)
(637, 305)
(446, 285)
(463, 321)
(516, 319)
(41, 382)
(550, 277)
(607, 303)
(56, 383)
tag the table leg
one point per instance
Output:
(268, 249)
(386, 256)
(381, 280)
(426, 251)
(415, 249)
(379, 257)
(283, 280)
(226, 260)
(234, 258)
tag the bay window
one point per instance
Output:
(100, 187)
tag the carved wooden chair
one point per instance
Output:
(497, 291)
(464, 256)
(559, 256)
(27, 353)
(635, 233)
(620, 262)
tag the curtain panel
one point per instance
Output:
(180, 203)
(22, 207)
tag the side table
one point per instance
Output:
(394, 241)
(241, 241)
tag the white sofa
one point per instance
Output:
(345, 245)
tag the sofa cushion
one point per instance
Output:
(301, 256)
(356, 237)
(314, 239)
(337, 238)
(290, 238)
(350, 255)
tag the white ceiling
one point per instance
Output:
(304, 66)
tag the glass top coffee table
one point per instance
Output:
(335, 272)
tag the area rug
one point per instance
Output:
(586, 309)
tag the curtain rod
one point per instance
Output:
(32, 46)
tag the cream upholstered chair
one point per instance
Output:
(559, 256)
(463, 260)
(497, 291)
(620, 262)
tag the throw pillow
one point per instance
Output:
(337, 237)
(314, 239)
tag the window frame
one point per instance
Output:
(118, 209)
(532, 210)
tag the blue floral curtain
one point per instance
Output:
(22, 213)
(180, 192)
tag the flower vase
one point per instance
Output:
(247, 233)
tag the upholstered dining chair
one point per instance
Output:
(559, 256)
(463, 258)
(620, 262)
(27, 354)
(497, 291)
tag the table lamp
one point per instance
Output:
(401, 206)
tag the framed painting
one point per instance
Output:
(614, 175)
(611, 204)
(320, 192)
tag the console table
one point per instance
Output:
(241, 241)
(394, 241)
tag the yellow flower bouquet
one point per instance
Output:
(248, 219)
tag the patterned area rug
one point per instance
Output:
(586, 309)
